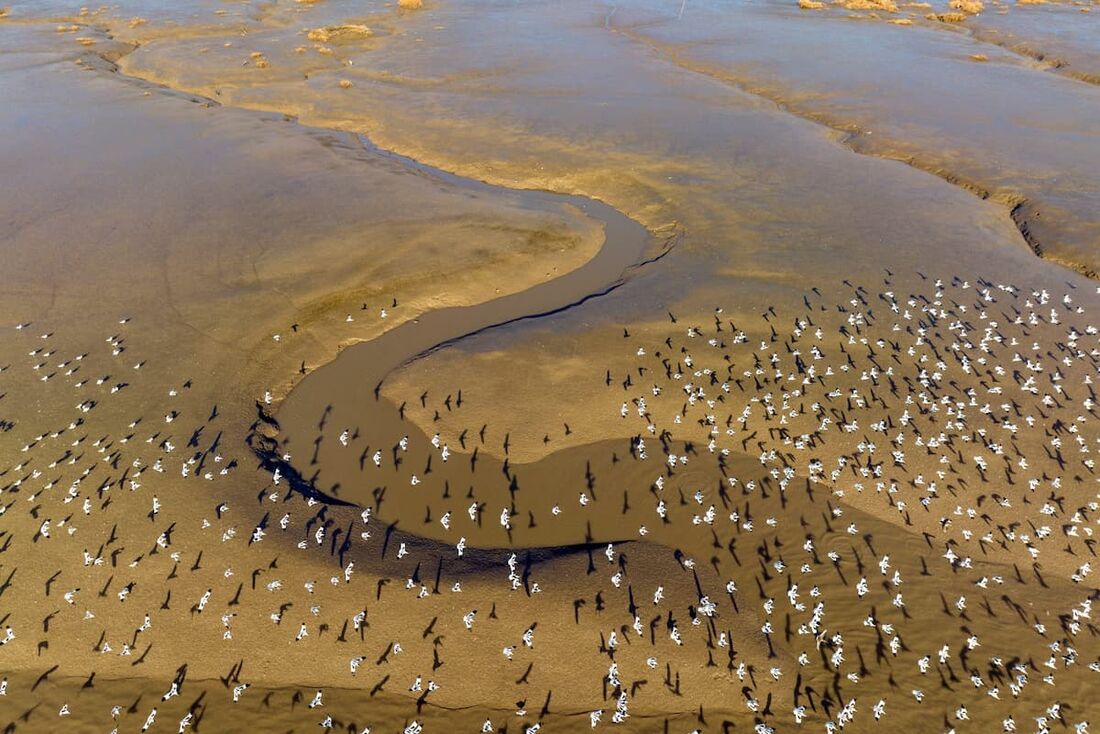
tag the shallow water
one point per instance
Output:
(218, 229)
(1002, 127)
(1065, 37)
(350, 385)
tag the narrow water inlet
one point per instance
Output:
(353, 379)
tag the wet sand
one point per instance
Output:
(935, 106)
(355, 380)
(582, 445)
(1060, 37)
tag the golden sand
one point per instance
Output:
(888, 6)
(947, 17)
(970, 7)
(348, 32)
(630, 505)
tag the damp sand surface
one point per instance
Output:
(270, 216)
(945, 99)
(354, 381)
(1062, 37)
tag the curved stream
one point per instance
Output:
(345, 390)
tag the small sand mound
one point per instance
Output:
(947, 17)
(333, 33)
(970, 7)
(410, 4)
(901, 21)
(136, 21)
(979, 57)
(888, 6)
(68, 28)
(346, 84)
(811, 4)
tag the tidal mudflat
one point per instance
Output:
(512, 367)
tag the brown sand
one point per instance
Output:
(187, 302)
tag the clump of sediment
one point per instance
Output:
(970, 7)
(336, 33)
(410, 4)
(887, 6)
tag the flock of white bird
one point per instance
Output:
(909, 471)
